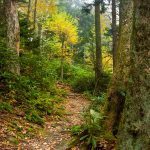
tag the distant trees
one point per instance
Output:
(65, 29)
(13, 31)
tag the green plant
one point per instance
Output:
(97, 102)
(82, 79)
(87, 133)
(5, 106)
(33, 116)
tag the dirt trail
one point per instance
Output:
(57, 135)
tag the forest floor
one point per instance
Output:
(55, 135)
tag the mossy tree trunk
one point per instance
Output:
(128, 105)
(134, 131)
(114, 33)
(13, 32)
(98, 61)
(117, 89)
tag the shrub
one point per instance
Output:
(87, 133)
(4, 106)
(33, 116)
(40, 69)
(82, 79)
(33, 89)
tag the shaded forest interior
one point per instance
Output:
(75, 74)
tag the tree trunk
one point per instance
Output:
(13, 31)
(40, 34)
(134, 131)
(35, 13)
(1, 13)
(92, 54)
(29, 11)
(114, 33)
(117, 90)
(128, 106)
(62, 60)
(98, 63)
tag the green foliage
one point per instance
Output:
(4, 106)
(87, 133)
(39, 69)
(8, 57)
(98, 101)
(33, 116)
(34, 90)
(82, 79)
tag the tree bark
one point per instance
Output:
(98, 63)
(128, 106)
(117, 90)
(114, 33)
(134, 131)
(29, 11)
(13, 31)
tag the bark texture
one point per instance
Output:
(134, 131)
(98, 62)
(117, 89)
(114, 33)
(13, 30)
(128, 98)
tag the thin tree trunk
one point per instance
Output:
(40, 33)
(62, 60)
(1, 12)
(35, 13)
(114, 33)
(92, 54)
(29, 11)
(120, 12)
(13, 31)
(98, 63)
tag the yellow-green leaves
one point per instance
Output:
(46, 7)
(64, 26)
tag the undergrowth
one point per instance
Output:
(88, 134)
(34, 90)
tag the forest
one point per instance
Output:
(74, 74)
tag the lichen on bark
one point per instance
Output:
(132, 79)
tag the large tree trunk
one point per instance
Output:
(134, 131)
(114, 33)
(128, 99)
(117, 89)
(98, 63)
(13, 31)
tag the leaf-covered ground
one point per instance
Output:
(56, 133)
